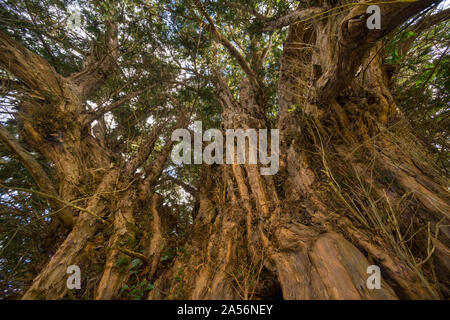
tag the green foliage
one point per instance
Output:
(423, 87)
(24, 220)
(165, 51)
(136, 263)
(179, 278)
(123, 262)
(137, 291)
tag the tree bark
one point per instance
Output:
(352, 177)
(284, 236)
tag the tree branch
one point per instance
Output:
(31, 69)
(98, 66)
(56, 198)
(231, 49)
(40, 177)
(428, 21)
(247, 9)
(154, 171)
(420, 26)
(187, 187)
(104, 109)
(134, 254)
(355, 40)
(145, 150)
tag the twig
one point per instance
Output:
(46, 195)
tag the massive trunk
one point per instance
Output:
(353, 185)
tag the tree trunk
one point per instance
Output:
(354, 188)
(352, 179)
(95, 196)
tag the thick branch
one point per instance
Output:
(231, 49)
(154, 171)
(98, 66)
(145, 150)
(355, 40)
(30, 68)
(40, 177)
(33, 167)
(224, 94)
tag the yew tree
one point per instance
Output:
(92, 91)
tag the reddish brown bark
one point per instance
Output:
(279, 236)
(308, 232)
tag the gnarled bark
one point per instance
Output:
(279, 236)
